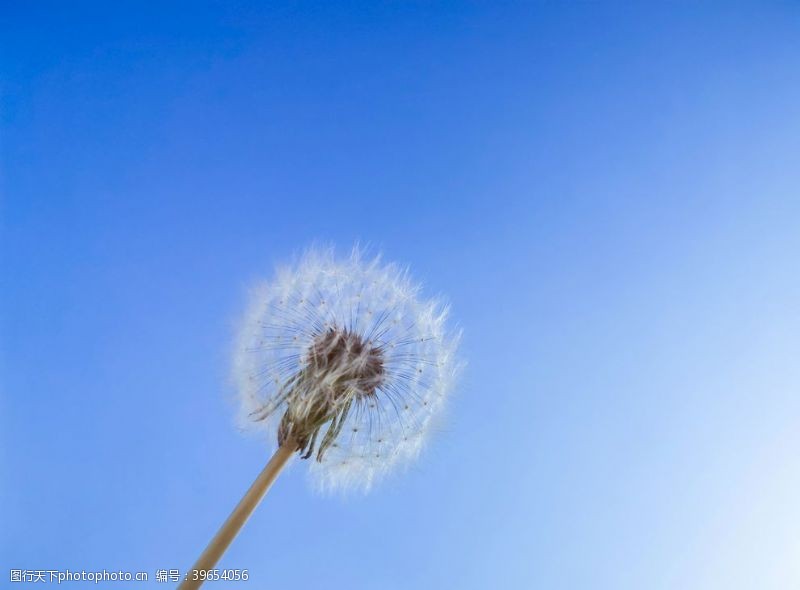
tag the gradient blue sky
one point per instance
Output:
(608, 194)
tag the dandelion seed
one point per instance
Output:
(354, 390)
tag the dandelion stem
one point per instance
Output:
(238, 517)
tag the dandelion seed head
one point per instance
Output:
(341, 355)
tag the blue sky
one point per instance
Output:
(607, 194)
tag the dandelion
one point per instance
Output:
(342, 363)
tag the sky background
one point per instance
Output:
(609, 196)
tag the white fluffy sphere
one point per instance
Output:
(342, 355)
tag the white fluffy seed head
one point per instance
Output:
(342, 356)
